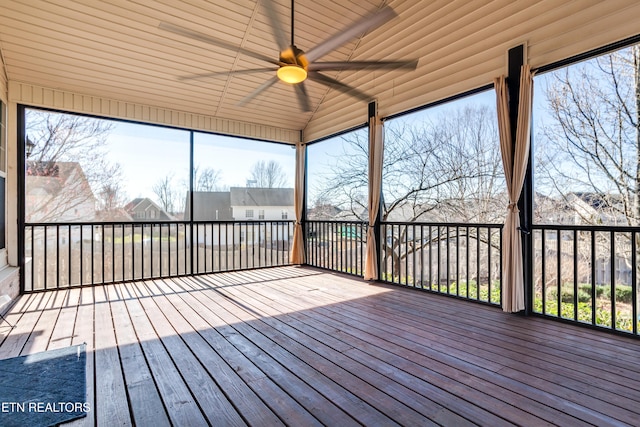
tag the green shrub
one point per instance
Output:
(624, 294)
(624, 322)
(584, 296)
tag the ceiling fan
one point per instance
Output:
(294, 65)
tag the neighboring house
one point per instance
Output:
(262, 204)
(255, 204)
(209, 206)
(587, 208)
(323, 211)
(114, 215)
(58, 192)
(144, 209)
(242, 204)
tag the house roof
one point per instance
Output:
(594, 200)
(113, 59)
(114, 215)
(143, 204)
(51, 177)
(251, 196)
(207, 203)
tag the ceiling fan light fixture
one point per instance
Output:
(292, 74)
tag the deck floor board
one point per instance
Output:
(302, 346)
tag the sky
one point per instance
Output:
(147, 154)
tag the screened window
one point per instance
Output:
(337, 186)
(586, 142)
(443, 164)
(232, 178)
(86, 169)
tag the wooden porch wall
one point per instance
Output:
(42, 96)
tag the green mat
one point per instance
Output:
(43, 389)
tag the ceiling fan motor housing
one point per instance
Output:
(294, 56)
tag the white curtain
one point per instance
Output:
(297, 248)
(514, 160)
(376, 135)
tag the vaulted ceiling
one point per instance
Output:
(114, 51)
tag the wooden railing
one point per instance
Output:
(78, 254)
(337, 245)
(461, 260)
(587, 274)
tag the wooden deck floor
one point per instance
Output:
(303, 347)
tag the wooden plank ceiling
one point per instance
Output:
(115, 50)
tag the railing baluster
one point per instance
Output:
(544, 273)
(414, 239)
(439, 259)
(81, 255)
(33, 259)
(45, 264)
(168, 263)
(501, 266)
(478, 258)
(422, 242)
(612, 271)
(102, 241)
(468, 271)
(559, 271)
(634, 285)
(57, 254)
(593, 277)
(430, 258)
(489, 270)
(457, 260)
(406, 255)
(575, 275)
(113, 252)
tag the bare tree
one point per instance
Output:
(67, 166)
(447, 169)
(165, 193)
(442, 170)
(110, 195)
(207, 179)
(589, 143)
(268, 174)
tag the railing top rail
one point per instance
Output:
(139, 223)
(444, 224)
(337, 221)
(255, 221)
(99, 223)
(569, 227)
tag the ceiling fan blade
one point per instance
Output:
(276, 24)
(358, 27)
(344, 88)
(303, 98)
(195, 35)
(226, 73)
(360, 65)
(264, 86)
